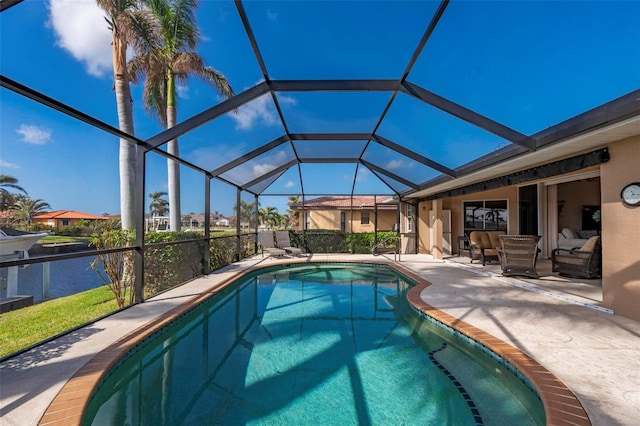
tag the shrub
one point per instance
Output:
(117, 268)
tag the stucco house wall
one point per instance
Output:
(621, 230)
(456, 205)
(330, 219)
(620, 224)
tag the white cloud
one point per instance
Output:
(183, 91)
(363, 174)
(272, 16)
(271, 162)
(259, 110)
(395, 164)
(8, 165)
(34, 135)
(262, 169)
(289, 184)
(80, 29)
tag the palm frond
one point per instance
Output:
(191, 63)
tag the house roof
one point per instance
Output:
(69, 214)
(365, 202)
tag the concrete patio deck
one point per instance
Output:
(595, 353)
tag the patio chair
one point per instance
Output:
(283, 242)
(265, 239)
(483, 245)
(518, 255)
(585, 262)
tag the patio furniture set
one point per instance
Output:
(518, 254)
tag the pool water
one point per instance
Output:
(324, 344)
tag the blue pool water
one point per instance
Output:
(324, 344)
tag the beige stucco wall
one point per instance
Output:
(620, 223)
(455, 204)
(621, 230)
(323, 219)
(330, 219)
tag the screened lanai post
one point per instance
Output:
(399, 225)
(375, 219)
(238, 222)
(207, 225)
(138, 261)
(351, 210)
(256, 212)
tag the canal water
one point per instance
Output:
(66, 277)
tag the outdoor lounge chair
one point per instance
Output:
(265, 239)
(282, 242)
(518, 255)
(483, 245)
(585, 262)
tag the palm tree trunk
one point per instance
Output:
(128, 150)
(173, 167)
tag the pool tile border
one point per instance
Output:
(561, 405)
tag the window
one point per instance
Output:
(485, 215)
(66, 222)
(307, 219)
(364, 218)
(343, 222)
(410, 214)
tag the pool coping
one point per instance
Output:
(561, 406)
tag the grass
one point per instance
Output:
(57, 239)
(24, 327)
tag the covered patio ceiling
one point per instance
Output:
(412, 113)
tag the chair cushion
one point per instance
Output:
(490, 252)
(590, 245)
(486, 239)
(494, 238)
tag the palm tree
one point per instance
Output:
(174, 59)
(158, 205)
(135, 27)
(26, 208)
(7, 197)
(267, 216)
(246, 212)
(294, 216)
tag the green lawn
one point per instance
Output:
(24, 327)
(57, 239)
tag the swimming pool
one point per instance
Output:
(312, 344)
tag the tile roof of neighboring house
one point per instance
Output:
(344, 202)
(69, 214)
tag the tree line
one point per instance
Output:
(17, 206)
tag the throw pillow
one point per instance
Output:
(570, 234)
(587, 234)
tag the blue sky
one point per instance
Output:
(527, 65)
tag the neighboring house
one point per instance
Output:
(346, 214)
(223, 222)
(196, 220)
(59, 218)
(6, 217)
